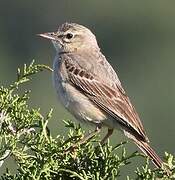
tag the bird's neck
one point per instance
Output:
(80, 50)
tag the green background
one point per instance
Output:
(137, 37)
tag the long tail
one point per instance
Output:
(147, 150)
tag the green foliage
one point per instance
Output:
(26, 138)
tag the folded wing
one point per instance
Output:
(112, 100)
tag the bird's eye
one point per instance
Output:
(69, 35)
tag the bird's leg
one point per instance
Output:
(91, 135)
(86, 138)
(109, 133)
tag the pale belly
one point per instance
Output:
(78, 104)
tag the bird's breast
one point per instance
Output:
(74, 100)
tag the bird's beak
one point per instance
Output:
(48, 35)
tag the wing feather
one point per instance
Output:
(113, 100)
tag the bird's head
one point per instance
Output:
(71, 37)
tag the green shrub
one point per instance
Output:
(26, 138)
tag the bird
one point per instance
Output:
(90, 89)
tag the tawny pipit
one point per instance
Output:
(89, 87)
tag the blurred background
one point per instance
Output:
(138, 39)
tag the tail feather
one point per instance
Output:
(146, 148)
